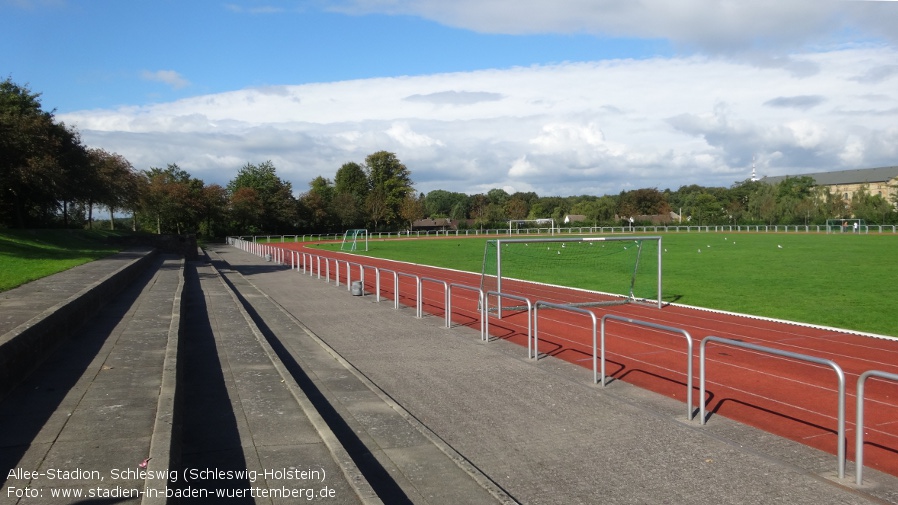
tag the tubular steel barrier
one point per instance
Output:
(859, 437)
(421, 296)
(479, 302)
(417, 291)
(396, 286)
(486, 309)
(377, 272)
(349, 276)
(690, 413)
(559, 306)
(306, 264)
(786, 354)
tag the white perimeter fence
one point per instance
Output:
(341, 270)
(583, 230)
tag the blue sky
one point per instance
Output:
(559, 97)
(105, 53)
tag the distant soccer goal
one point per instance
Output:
(354, 240)
(846, 226)
(517, 224)
(582, 272)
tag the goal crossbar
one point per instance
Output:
(495, 279)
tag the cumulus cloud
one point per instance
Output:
(565, 129)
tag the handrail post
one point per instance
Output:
(840, 444)
(859, 437)
(689, 347)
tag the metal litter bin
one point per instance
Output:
(356, 288)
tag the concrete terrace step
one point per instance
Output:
(540, 430)
(89, 414)
(39, 315)
(400, 457)
(247, 427)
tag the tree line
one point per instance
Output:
(49, 178)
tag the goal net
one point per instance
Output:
(354, 240)
(585, 271)
(846, 226)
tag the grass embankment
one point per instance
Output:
(26, 255)
(839, 280)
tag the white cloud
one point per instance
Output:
(403, 134)
(170, 77)
(713, 25)
(573, 128)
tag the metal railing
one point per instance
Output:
(568, 308)
(311, 264)
(377, 272)
(479, 304)
(485, 306)
(690, 413)
(420, 307)
(859, 437)
(786, 354)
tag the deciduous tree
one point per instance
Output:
(392, 182)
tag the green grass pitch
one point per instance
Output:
(840, 280)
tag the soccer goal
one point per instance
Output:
(353, 240)
(538, 224)
(581, 272)
(846, 226)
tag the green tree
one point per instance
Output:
(516, 208)
(351, 179)
(498, 196)
(377, 206)
(870, 208)
(319, 204)
(275, 196)
(246, 210)
(41, 161)
(412, 209)
(171, 199)
(113, 183)
(391, 181)
(646, 201)
(350, 191)
(440, 203)
(480, 210)
(213, 206)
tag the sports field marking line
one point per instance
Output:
(836, 331)
(757, 337)
(833, 332)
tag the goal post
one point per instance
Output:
(516, 224)
(846, 226)
(582, 271)
(354, 239)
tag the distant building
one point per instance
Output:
(574, 218)
(881, 181)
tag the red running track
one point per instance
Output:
(789, 398)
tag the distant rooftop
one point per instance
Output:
(857, 176)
